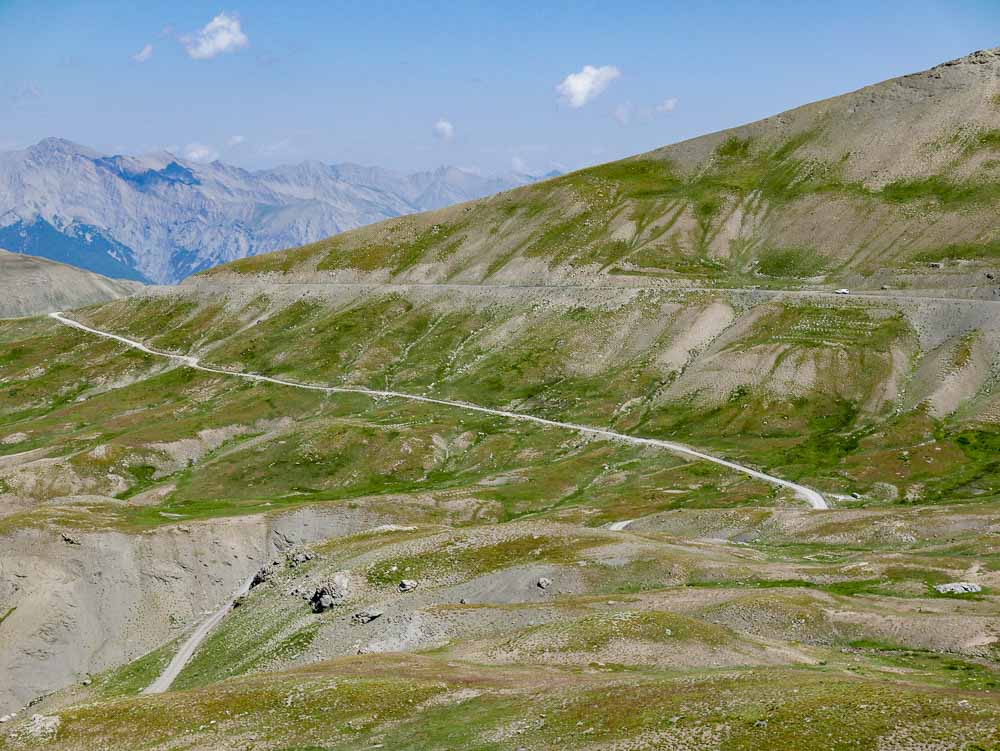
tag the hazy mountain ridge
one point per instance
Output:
(30, 286)
(159, 217)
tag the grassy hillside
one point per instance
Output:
(685, 294)
(827, 192)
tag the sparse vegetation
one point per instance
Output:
(563, 590)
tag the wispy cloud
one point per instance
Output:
(144, 54)
(220, 35)
(667, 105)
(579, 88)
(623, 113)
(199, 152)
(444, 130)
(236, 141)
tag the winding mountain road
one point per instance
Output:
(190, 646)
(810, 496)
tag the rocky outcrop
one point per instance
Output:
(958, 588)
(74, 610)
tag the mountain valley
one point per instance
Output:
(397, 462)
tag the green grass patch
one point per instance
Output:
(253, 636)
(133, 677)
(790, 262)
(593, 633)
(961, 252)
(458, 558)
(941, 191)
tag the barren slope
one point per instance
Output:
(31, 286)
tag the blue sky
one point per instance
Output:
(413, 85)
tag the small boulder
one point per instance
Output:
(262, 575)
(325, 597)
(295, 558)
(958, 588)
(407, 585)
(69, 539)
(366, 616)
(544, 583)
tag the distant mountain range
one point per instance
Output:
(161, 218)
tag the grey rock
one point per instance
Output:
(262, 575)
(295, 558)
(326, 597)
(958, 588)
(407, 585)
(366, 616)
(544, 583)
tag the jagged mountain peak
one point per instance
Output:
(54, 145)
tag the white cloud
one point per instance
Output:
(444, 130)
(144, 54)
(579, 88)
(236, 141)
(623, 113)
(667, 105)
(221, 34)
(199, 152)
(519, 165)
